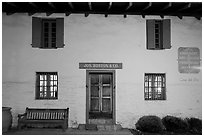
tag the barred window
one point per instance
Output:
(154, 86)
(46, 85)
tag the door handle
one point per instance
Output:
(86, 86)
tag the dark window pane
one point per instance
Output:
(106, 79)
(45, 34)
(53, 45)
(94, 104)
(106, 105)
(54, 35)
(53, 24)
(156, 25)
(94, 79)
(106, 91)
(46, 24)
(53, 30)
(94, 91)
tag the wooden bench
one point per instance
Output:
(44, 118)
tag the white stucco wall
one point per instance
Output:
(99, 39)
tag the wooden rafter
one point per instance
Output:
(90, 5)
(12, 4)
(67, 13)
(148, 6)
(167, 6)
(110, 5)
(33, 5)
(129, 6)
(188, 5)
(71, 5)
(51, 5)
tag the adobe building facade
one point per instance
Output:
(109, 54)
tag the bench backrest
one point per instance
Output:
(46, 114)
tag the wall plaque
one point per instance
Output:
(188, 60)
(100, 65)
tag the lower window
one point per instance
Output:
(46, 85)
(155, 86)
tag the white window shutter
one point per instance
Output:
(166, 34)
(150, 32)
(36, 32)
(60, 32)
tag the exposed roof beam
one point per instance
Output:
(12, 4)
(125, 15)
(143, 16)
(185, 7)
(71, 5)
(86, 14)
(67, 13)
(34, 5)
(148, 6)
(9, 13)
(167, 6)
(106, 15)
(49, 13)
(51, 5)
(110, 4)
(180, 17)
(31, 13)
(162, 16)
(129, 5)
(198, 17)
(90, 6)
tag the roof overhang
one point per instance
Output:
(179, 9)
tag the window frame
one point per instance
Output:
(153, 92)
(158, 34)
(46, 86)
(50, 31)
(38, 33)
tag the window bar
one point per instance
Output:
(148, 86)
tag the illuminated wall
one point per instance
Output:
(99, 39)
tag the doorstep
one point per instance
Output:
(100, 127)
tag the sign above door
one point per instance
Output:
(100, 65)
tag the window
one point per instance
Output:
(46, 85)
(47, 33)
(154, 86)
(158, 34)
(189, 60)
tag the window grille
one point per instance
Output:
(154, 86)
(46, 85)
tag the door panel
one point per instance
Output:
(101, 90)
(94, 104)
(106, 105)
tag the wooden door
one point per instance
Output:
(100, 98)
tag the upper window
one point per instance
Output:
(46, 85)
(158, 34)
(47, 33)
(155, 86)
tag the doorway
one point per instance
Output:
(100, 97)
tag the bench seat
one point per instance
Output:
(44, 117)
